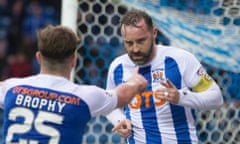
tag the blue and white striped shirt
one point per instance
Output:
(155, 121)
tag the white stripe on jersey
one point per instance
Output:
(139, 132)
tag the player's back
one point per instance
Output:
(44, 109)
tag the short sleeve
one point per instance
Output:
(100, 101)
(2, 94)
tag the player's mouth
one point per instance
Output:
(137, 57)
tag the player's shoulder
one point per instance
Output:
(176, 53)
(120, 60)
(173, 51)
(12, 82)
(85, 88)
(87, 92)
(15, 80)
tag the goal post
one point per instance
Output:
(69, 13)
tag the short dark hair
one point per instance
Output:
(57, 42)
(133, 16)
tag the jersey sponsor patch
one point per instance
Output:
(204, 83)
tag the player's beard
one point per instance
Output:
(146, 57)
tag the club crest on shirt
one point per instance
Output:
(158, 75)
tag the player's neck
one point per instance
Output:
(61, 74)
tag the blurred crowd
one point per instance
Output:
(19, 21)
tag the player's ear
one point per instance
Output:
(38, 57)
(155, 31)
(74, 60)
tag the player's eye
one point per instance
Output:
(128, 43)
(141, 41)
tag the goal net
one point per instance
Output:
(208, 28)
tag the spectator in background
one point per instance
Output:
(4, 18)
(19, 65)
(4, 9)
(37, 16)
(15, 27)
(19, 21)
(3, 55)
(34, 20)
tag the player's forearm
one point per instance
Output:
(206, 100)
(126, 92)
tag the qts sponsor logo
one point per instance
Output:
(143, 100)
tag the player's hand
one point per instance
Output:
(123, 128)
(169, 93)
(139, 80)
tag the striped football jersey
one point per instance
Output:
(155, 121)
